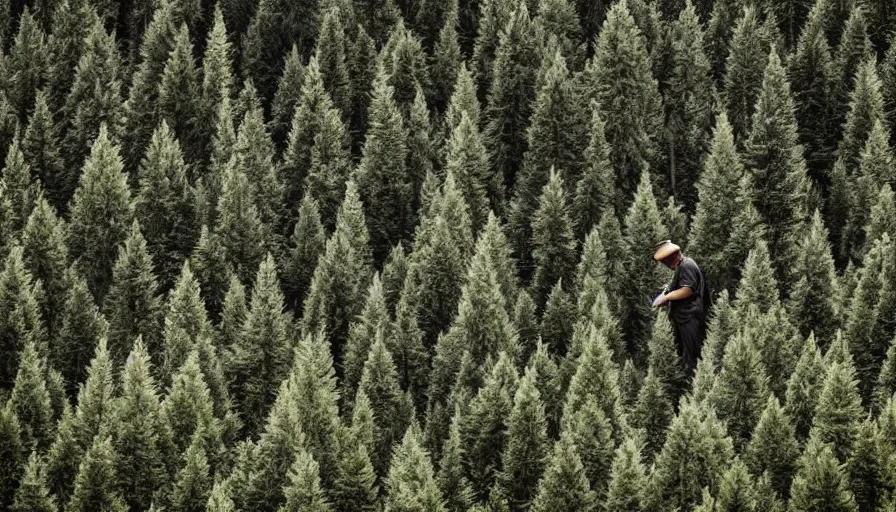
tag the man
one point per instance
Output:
(685, 295)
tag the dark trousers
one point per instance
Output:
(689, 340)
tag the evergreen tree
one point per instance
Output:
(820, 482)
(405, 67)
(775, 160)
(27, 61)
(839, 410)
(217, 77)
(31, 400)
(557, 320)
(304, 493)
(628, 480)
(619, 77)
(287, 97)
(254, 155)
(886, 381)
(736, 489)
(511, 91)
(355, 486)
(423, 148)
(362, 70)
(19, 188)
(467, 161)
(391, 407)
(382, 176)
(374, 317)
(100, 215)
(188, 412)
(643, 228)
(133, 305)
(750, 45)
(695, 456)
(239, 229)
(526, 447)
(40, 148)
(164, 204)
(741, 389)
(556, 139)
(46, 257)
(812, 303)
(773, 448)
(305, 247)
(330, 53)
(95, 487)
(80, 327)
(447, 60)
(71, 22)
(664, 361)
(564, 485)
(652, 413)
(209, 264)
(33, 494)
(179, 101)
(193, 484)
(865, 466)
(854, 47)
(553, 243)
(688, 97)
(881, 218)
(139, 437)
(261, 355)
(595, 190)
(411, 483)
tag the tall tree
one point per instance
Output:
(411, 483)
(839, 410)
(820, 481)
(305, 247)
(239, 228)
(46, 256)
(94, 487)
(595, 191)
(27, 61)
(741, 389)
(564, 485)
(553, 243)
(287, 97)
(748, 57)
(773, 448)
(179, 100)
(466, 158)
(40, 147)
(33, 494)
(304, 492)
(31, 400)
(812, 302)
(331, 57)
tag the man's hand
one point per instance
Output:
(660, 300)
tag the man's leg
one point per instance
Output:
(690, 335)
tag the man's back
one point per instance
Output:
(687, 274)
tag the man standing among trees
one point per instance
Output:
(687, 296)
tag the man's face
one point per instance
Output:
(672, 261)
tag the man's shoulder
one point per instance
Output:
(690, 263)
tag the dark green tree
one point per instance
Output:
(451, 478)
(31, 400)
(820, 481)
(40, 147)
(553, 243)
(748, 57)
(27, 61)
(853, 48)
(33, 494)
(19, 187)
(362, 332)
(95, 487)
(865, 467)
(239, 228)
(595, 191)
(20, 321)
(217, 77)
(812, 302)
(71, 22)
(179, 102)
(305, 247)
(773, 448)
(254, 154)
(100, 214)
(287, 97)
(303, 492)
(467, 159)
(193, 484)
(652, 413)
(210, 266)
(46, 257)
(628, 479)
(80, 328)
(355, 486)
(447, 59)
(411, 484)
(362, 70)
(331, 56)
(564, 485)
(839, 410)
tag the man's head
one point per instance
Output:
(668, 254)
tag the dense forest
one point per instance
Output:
(396, 255)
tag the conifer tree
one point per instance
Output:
(80, 327)
(362, 70)
(643, 228)
(27, 61)
(133, 305)
(467, 160)
(164, 204)
(632, 112)
(217, 75)
(33, 494)
(19, 187)
(595, 191)
(776, 162)
(557, 320)
(839, 410)
(854, 47)
(193, 484)
(287, 97)
(447, 59)
(140, 438)
(100, 216)
(94, 485)
(395, 271)
(31, 400)
(254, 154)
(820, 481)
(355, 486)
(865, 466)
(422, 150)
(688, 103)
(382, 176)
(886, 381)
(553, 243)
(411, 483)
(71, 22)
(141, 116)
(696, 453)
(209, 264)
(547, 381)
(881, 218)
(812, 305)
(260, 357)
(188, 412)
(511, 91)
(773, 448)
(556, 139)
(652, 413)
(240, 229)
(736, 489)
(303, 492)
(564, 485)
(664, 361)
(20, 320)
(411, 359)
(305, 247)
(40, 147)
(741, 389)
(331, 56)
(452, 481)
(179, 100)
(45, 256)
(391, 406)
(750, 45)
(526, 447)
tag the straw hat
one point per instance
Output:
(665, 249)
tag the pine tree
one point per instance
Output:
(71, 22)
(27, 61)
(854, 47)
(362, 69)
(423, 148)
(643, 228)
(164, 204)
(217, 77)
(404, 63)
(688, 101)
(287, 97)
(46, 257)
(652, 413)
(139, 437)
(620, 79)
(595, 191)
(374, 317)
(254, 154)
(188, 412)
(179, 101)
(331, 55)
(557, 321)
(776, 162)
(20, 321)
(447, 59)
(664, 360)
(881, 218)
(33, 494)
(100, 216)
(736, 489)
(553, 243)
(695, 456)
(773, 448)
(95, 487)
(865, 466)
(526, 447)
(355, 486)
(141, 116)
(839, 410)
(382, 176)
(261, 356)
(451, 479)
(239, 228)
(812, 303)
(304, 493)
(511, 91)
(564, 485)
(40, 147)
(80, 327)
(467, 161)
(209, 264)
(193, 484)
(19, 187)
(820, 482)
(556, 139)
(411, 483)
(31, 400)
(305, 247)
(750, 46)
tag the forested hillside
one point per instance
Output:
(397, 255)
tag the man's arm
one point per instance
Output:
(681, 293)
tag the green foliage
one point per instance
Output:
(20, 322)
(411, 483)
(31, 400)
(813, 305)
(804, 387)
(303, 492)
(553, 243)
(33, 494)
(46, 256)
(564, 485)
(839, 410)
(94, 485)
(305, 247)
(749, 49)
(820, 482)
(40, 147)
(595, 190)
(773, 448)
(628, 479)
